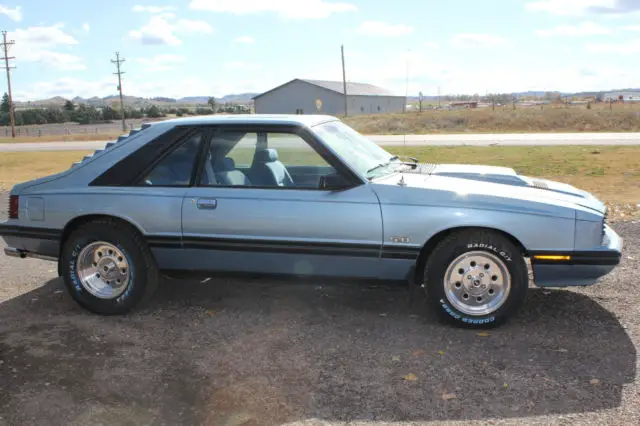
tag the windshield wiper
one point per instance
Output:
(387, 163)
(378, 167)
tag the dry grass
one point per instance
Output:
(18, 167)
(622, 118)
(79, 137)
(611, 172)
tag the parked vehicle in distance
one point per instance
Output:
(306, 196)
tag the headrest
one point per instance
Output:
(267, 156)
(225, 164)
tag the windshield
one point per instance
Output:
(362, 154)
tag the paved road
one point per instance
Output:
(409, 140)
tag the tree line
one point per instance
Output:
(88, 114)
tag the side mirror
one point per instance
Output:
(334, 182)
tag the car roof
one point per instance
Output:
(305, 120)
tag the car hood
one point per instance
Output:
(494, 181)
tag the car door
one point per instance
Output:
(249, 213)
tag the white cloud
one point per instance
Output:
(144, 87)
(630, 47)
(632, 28)
(86, 27)
(193, 26)
(14, 14)
(44, 36)
(157, 31)
(579, 7)
(245, 40)
(428, 71)
(581, 30)
(287, 9)
(152, 9)
(38, 44)
(477, 40)
(67, 87)
(431, 45)
(377, 28)
(160, 30)
(162, 62)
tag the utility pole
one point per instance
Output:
(118, 61)
(5, 45)
(344, 81)
(406, 83)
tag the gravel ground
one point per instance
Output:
(234, 352)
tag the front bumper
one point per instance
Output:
(582, 268)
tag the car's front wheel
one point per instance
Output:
(476, 278)
(107, 267)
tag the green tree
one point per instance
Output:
(85, 114)
(69, 106)
(54, 115)
(5, 106)
(109, 113)
(212, 102)
(154, 112)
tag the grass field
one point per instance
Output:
(610, 172)
(622, 118)
(556, 118)
(63, 138)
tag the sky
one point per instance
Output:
(178, 48)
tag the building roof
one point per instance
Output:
(355, 89)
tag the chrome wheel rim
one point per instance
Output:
(477, 283)
(103, 270)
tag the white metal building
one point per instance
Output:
(327, 97)
(627, 96)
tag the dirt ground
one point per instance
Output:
(232, 352)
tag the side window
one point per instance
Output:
(267, 160)
(243, 151)
(176, 168)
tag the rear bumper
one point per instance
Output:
(582, 268)
(22, 254)
(22, 242)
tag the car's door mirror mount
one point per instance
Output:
(334, 182)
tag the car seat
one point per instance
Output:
(267, 170)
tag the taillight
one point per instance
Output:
(14, 202)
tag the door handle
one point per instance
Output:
(207, 203)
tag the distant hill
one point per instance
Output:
(247, 99)
(237, 98)
(136, 101)
(193, 100)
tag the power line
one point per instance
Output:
(6, 44)
(119, 61)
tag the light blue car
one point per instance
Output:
(305, 196)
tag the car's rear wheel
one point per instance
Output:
(107, 267)
(476, 278)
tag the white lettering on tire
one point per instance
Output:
(496, 250)
(464, 319)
